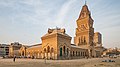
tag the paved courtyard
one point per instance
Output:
(94, 62)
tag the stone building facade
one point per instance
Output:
(85, 31)
(14, 49)
(56, 44)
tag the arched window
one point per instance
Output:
(84, 40)
(67, 51)
(61, 51)
(48, 49)
(81, 40)
(64, 49)
(44, 49)
(91, 52)
(52, 50)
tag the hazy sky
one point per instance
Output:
(25, 21)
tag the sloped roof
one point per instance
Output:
(38, 46)
(77, 47)
(84, 10)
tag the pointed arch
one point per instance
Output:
(45, 50)
(61, 51)
(48, 49)
(52, 50)
(67, 51)
(64, 49)
(84, 40)
(81, 39)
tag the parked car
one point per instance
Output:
(104, 61)
(108, 61)
(111, 61)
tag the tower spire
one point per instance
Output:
(85, 2)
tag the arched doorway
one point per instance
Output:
(64, 50)
(48, 52)
(44, 56)
(48, 49)
(52, 53)
(91, 53)
(61, 51)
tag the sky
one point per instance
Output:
(26, 21)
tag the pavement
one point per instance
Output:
(93, 62)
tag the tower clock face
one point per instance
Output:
(82, 27)
(83, 15)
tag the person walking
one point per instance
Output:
(14, 59)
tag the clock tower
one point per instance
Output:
(84, 31)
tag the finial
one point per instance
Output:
(85, 2)
(57, 28)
